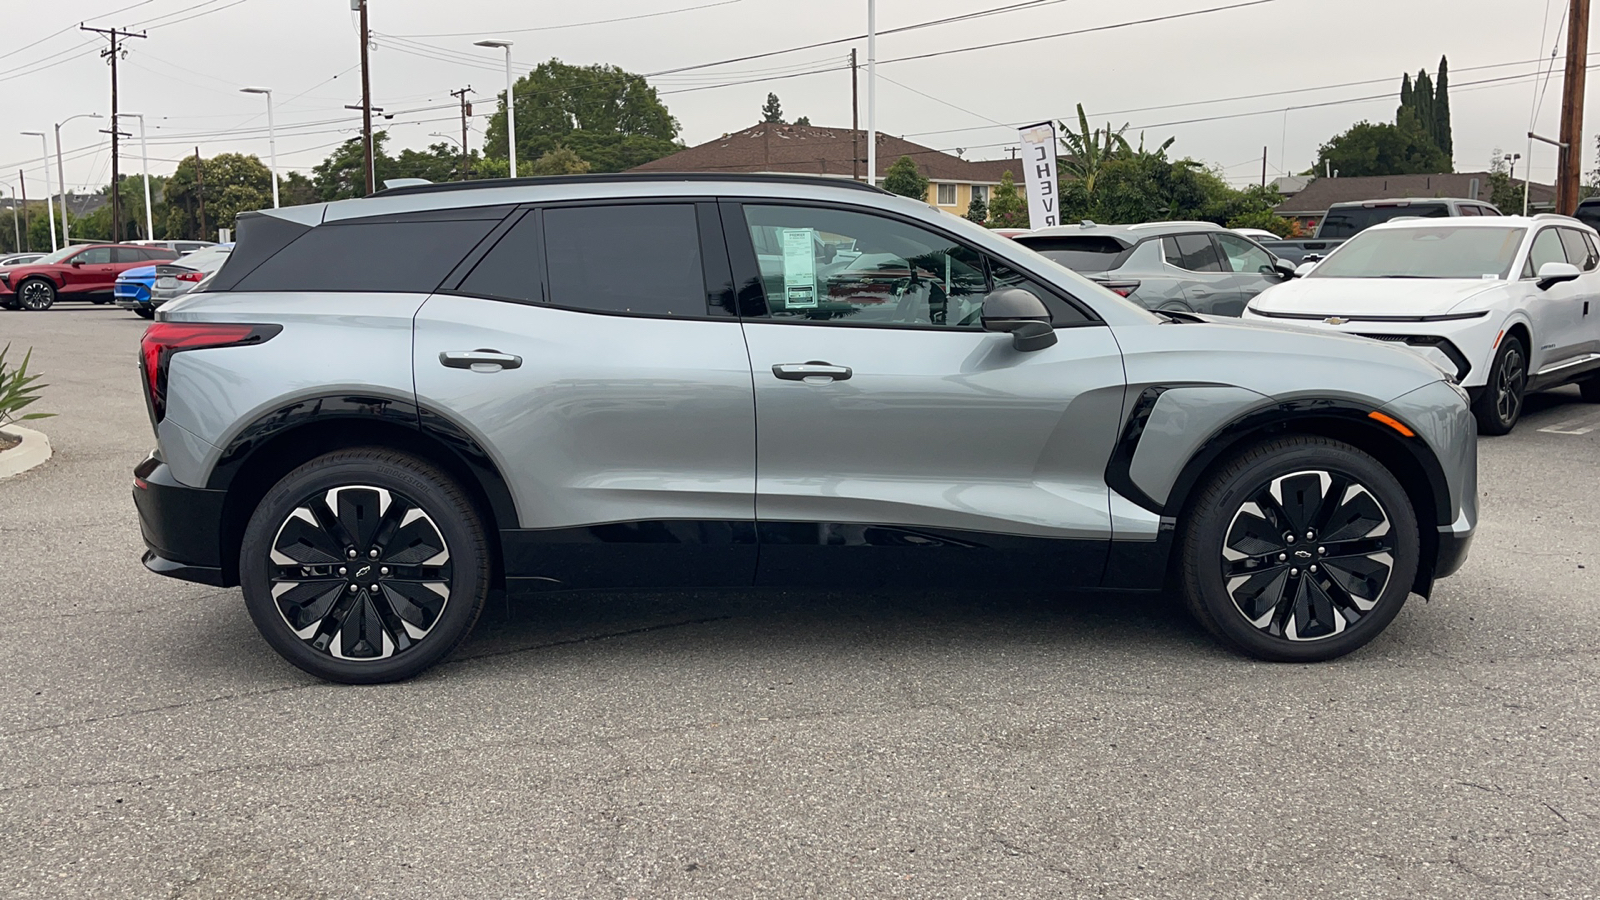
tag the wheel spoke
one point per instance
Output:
(1355, 515)
(1300, 496)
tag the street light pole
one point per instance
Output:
(272, 139)
(872, 92)
(144, 158)
(61, 177)
(50, 205)
(511, 106)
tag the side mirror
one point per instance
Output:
(1019, 313)
(77, 263)
(1554, 273)
(1304, 269)
(1283, 268)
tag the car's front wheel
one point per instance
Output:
(1300, 549)
(365, 566)
(36, 294)
(1500, 405)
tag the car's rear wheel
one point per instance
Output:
(144, 312)
(1300, 549)
(1500, 404)
(1590, 388)
(36, 294)
(365, 566)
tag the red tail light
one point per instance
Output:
(1122, 288)
(191, 276)
(163, 339)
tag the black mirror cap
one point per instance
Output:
(1030, 336)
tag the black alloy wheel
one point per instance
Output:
(1301, 549)
(1500, 404)
(36, 294)
(364, 566)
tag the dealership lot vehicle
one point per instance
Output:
(1506, 305)
(144, 289)
(17, 259)
(1171, 266)
(1346, 220)
(73, 273)
(183, 248)
(557, 383)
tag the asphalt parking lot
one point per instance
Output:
(786, 744)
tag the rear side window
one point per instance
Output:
(1467, 209)
(376, 256)
(1086, 253)
(513, 270)
(128, 255)
(641, 259)
(1193, 252)
(1577, 251)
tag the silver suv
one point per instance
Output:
(379, 409)
(1171, 266)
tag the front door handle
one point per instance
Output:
(816, 368)
(490, 360)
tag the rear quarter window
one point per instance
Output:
(386, 255)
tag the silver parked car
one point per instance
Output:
(381, 408)
(1177, 266)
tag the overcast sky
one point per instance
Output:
(1157, 76)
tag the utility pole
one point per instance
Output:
(113, 54)
(1263, 167)
(1571, 161)
(366, 96)
(200, 190)
(466, 112)
(855, 121)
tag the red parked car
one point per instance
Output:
(83, 272)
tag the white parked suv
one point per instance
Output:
(1507, 305)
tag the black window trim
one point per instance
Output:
(752, 293)
(712, 249)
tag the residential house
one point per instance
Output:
(841, 152)
(1310, 203)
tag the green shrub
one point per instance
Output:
(17, 390)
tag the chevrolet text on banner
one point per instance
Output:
(1039, 167)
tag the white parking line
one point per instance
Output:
(1581, 425)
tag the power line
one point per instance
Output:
(498, 30)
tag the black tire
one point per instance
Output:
(144, 312)
(1590, 388)
(1499, 406)
(99, 301)
(36, 294)
(408, 614)
(1256, 582)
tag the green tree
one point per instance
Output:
(803, 120)
(1089, 150)
(295, 189)
(611, 118)
(904, 179)
(229, 183)
(559, 161)
(1441, 111)
(1503, 192)
(772, 111)
(343, 174)
(1007, 208)
(1383, 149)
(977, 210)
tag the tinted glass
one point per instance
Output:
(1351, 220)
(1467, 209)
(1243, 256)
(1191, 251)
(1437, 251)
(1080, 254)
(1062, 313)
(1588, 213)
(1546, 249)
(1488, 210)
(128, 255)
(1577, 252)
(94, 256)
(513, 270)
(628, 259)
(369, 256)
(208, 260)
(892, 274)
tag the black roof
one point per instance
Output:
(633, 177)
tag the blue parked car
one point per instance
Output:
(147, 287)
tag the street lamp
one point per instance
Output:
(50, 204)
(511, 106)
(272, 138)
(61, 177)
(144, 155)
(1512, 159)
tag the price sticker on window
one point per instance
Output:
(799, 268)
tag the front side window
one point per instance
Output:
(1577, 251)
(643, 260)
(1546, 249)
(94, 256)
(1436, 251)
(947, 194)
(1243, 256)
(894, 273)
(1192, 252)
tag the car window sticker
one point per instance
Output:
(799, 268)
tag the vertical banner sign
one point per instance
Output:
(1039, 171)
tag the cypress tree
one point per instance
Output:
(1441, 110)
(1406, 92)
(1422, 101)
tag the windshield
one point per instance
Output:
(1081, 254)
(1446, 251)
(1346, 221)
(57, 256)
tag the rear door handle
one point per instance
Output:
(472, 359)
(816, 368)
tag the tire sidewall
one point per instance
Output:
(50, 297)
(1211, 527)
(457, 522)
(1487, 410)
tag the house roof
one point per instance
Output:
(1322, 193)
(808, 149)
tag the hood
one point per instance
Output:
(1358, 297)
(142, 273)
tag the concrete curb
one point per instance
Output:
(33, 451)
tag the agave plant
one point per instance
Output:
(18, 390)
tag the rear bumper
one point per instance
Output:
(182, 526)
